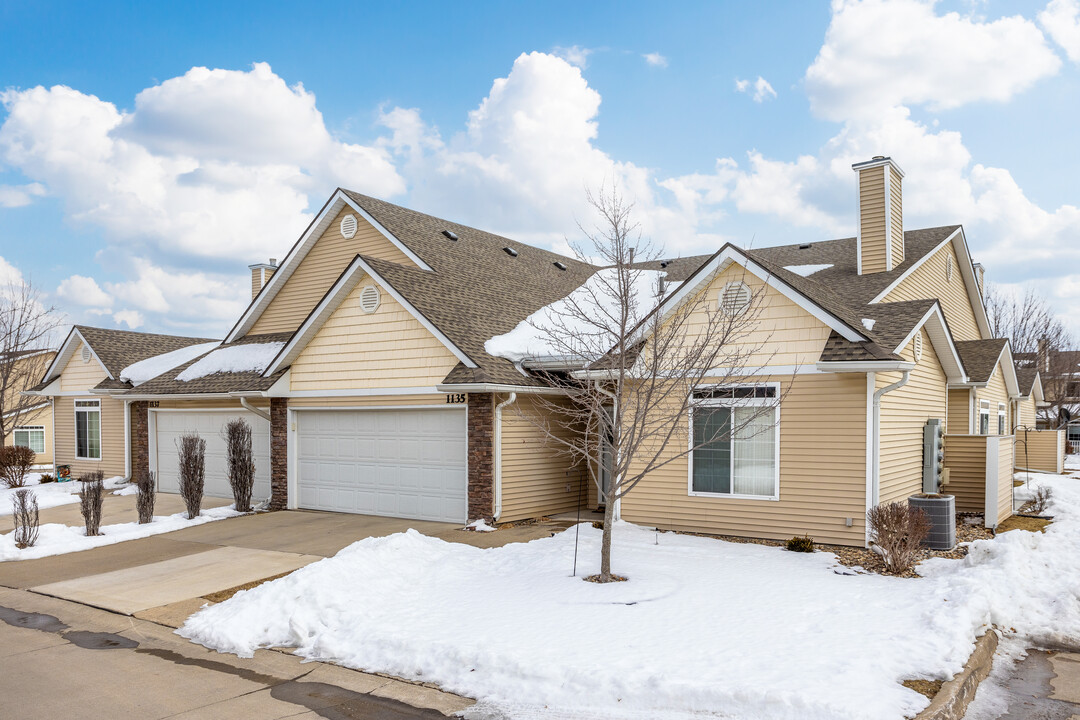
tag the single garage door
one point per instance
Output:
(210, 426)
(399, 463)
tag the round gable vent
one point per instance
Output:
(85, 353)
(369, 299)
(348, 226)
(918, 347)
(734, 298)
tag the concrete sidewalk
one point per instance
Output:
(66, 661)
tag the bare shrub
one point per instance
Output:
(144, 501)
(192, 451)
(91, 498)
(15, 464)
(897, 530)
(25, 517)
(1040, 500)
(240, 463)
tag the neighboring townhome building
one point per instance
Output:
(26, 421)
(1059, 371)
(361, 362)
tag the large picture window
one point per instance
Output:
(88, 429)
(735, 442)
(32, 436)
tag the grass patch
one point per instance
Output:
(1017, 522)
(223, 595)
(929, 688)
(1018, 483)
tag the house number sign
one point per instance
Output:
(456, 398)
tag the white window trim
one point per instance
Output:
(774, 402)
(1003, 424)
(75, 419)
(984, 409)
(40, 428)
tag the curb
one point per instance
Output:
(953, 698)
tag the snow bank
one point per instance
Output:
(531, 337)
(703, 627)
(806, 270)
(150, 368)
(57, 539)
(254, 357)
(50, 494)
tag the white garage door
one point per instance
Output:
(399, 463)
(209, 425)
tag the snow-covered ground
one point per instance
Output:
(50, 494)
(703, 627)
(1072, 462)
(57, 539)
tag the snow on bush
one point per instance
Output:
(150, 368)
(254, 357)
(703, 626)
(52, 494)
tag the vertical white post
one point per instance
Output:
(990, 516)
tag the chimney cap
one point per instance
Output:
(877, 161)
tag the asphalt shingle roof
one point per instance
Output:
(167, 384)
(980, 357)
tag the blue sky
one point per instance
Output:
(149, 152)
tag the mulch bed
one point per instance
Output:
(929, 688)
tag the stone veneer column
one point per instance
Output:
(279, 453)
(481, 456)
(140, 439)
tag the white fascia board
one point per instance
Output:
(1037, 388)
(865, 366)
(1008, 371)
(67, 350)
(296, 255)
(32, 408)
(494, 387)
(941, 339)
(731, 254)
(282, 386)
(349, 279)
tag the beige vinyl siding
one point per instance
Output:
(822, 434)
(318, 271)
(212, 404)
(387, 348)
(368, 401)
(79, 375)
(995, 392)
(965, 458)
(872, 220)
(896, 209)
(959, 420)
(256, 282)
(537, 479)
(904, 413)
(42, 417)
(928, 282)
(1045, 450)
(112, 436)
(786, 334)
(1005, 478)
(1025, 413)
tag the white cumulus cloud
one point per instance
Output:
(1061, 20)
(83, 291)
(655, 59)
(761, 88)
(20, 195)
(575, 55)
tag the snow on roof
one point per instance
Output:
(151, 367)
(237, 358)
(531, 338)
(806, 270)
(868, 323)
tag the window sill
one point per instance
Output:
(732, 496)
(88, 459)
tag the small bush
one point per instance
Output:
(898, 532)
(240, 463)
(25, 518)
(91, 497)
(144, 501)
(801, 543)
(47, 478)
(192, 451)
(1041, 499)
(15, 464)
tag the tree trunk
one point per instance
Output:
(605, 543)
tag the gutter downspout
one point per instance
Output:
(127, 440)
(258, 411)
(615, 514)
(498, 453)
(878, 394)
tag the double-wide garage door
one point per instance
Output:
(398, 463)
(170, 425)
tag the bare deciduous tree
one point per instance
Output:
(240, 462)
(91, 499)
(27, 327)
(15, 464)
(25, 517)
(192, 451)
(1039, 339)
(147, 496)
(629, 379)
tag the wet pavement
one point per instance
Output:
(1043, 686)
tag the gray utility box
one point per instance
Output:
(941, 511)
